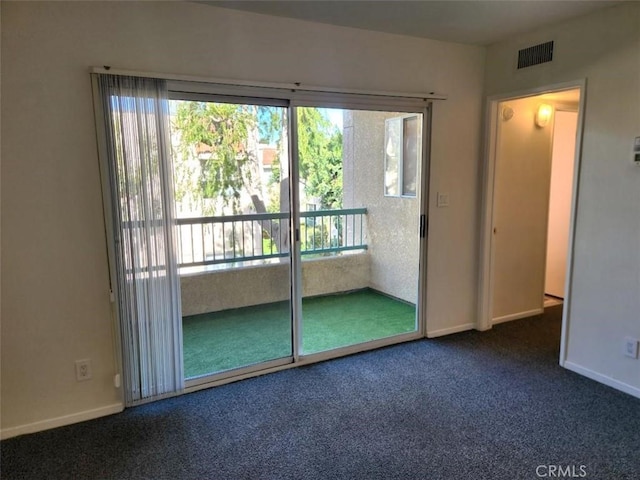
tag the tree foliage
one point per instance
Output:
(320, 156)
(224, 139)
(217, 135)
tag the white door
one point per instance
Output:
(562, 165)
(523, 159)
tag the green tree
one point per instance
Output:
(320, 154)
(320, 157)
(219, 135)
(224, 139)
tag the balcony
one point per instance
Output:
(235, 283)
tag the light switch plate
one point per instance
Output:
(631, 347)
(443, 200)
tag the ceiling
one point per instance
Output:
(477, 22)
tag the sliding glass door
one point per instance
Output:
(254, 228)
(359, 214)
(231, 167)
(286, 257)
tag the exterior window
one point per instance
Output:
(403, 147)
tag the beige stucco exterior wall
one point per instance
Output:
(259, 284)
(391, 231)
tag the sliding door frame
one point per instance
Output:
(291, 99)
(181, 92)
(340, 102)
(294, 234)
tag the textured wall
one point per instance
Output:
(391, 222)
(255, 285)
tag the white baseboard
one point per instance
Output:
(517, 316)
(450, 330)
(598, 377)
(61, 421)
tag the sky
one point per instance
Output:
(335, 116)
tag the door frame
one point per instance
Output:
(198, 87)
(487, 246)
(292, 99)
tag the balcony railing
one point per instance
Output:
(258, 236)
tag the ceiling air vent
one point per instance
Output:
(530, 56)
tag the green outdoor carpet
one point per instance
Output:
(219, 341)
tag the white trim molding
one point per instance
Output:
(447, 331)
(61, 421)
(606, 380)
(517, 316)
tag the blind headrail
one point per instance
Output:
(289, 87)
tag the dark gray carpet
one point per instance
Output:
(491, 405)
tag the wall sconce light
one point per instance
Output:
(543, 115)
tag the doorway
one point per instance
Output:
(530, 188)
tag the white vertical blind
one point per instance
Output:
(136, 119)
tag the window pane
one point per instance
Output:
(392, 155)
(231, 182)
(359, 250)
(410, 155)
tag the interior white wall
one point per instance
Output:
(604, 302)
(520, 211)
(55, 306)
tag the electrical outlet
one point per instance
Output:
(83, 370)
(631, 347)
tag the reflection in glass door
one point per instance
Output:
(359, 209)
(231, 172)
